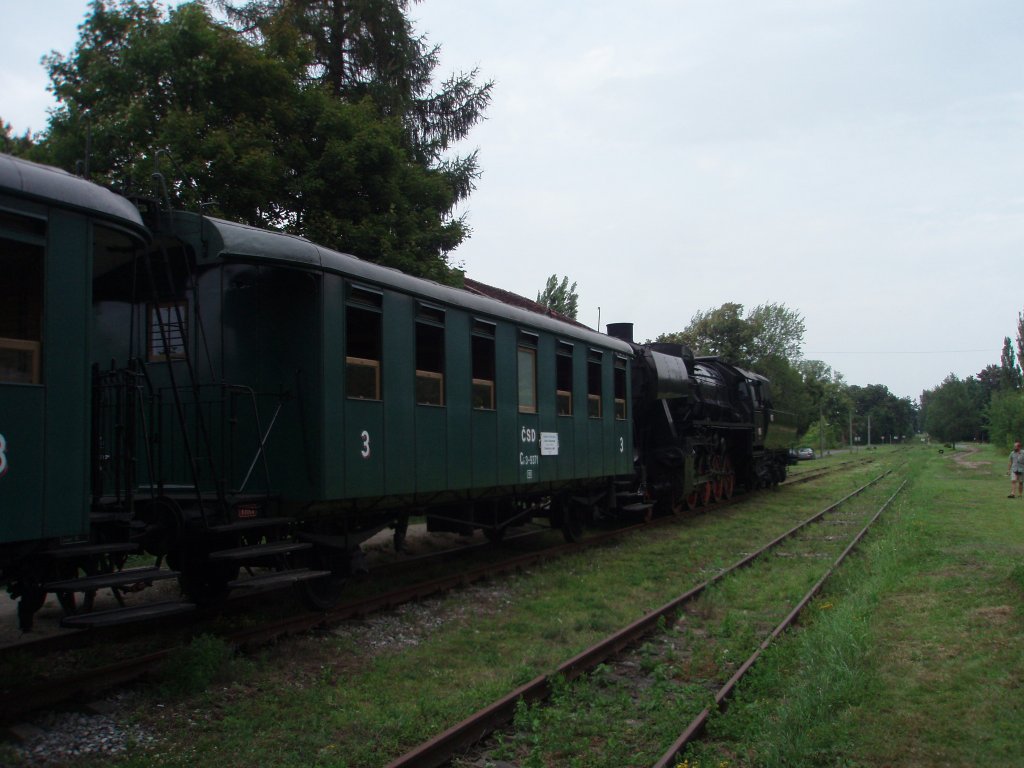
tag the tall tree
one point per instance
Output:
(827, 394)
(1020, 339)
(948, 412)
(560, 296)
(722, 331)
(777, 330)
(788, 391)
(1004, 418)
(770, 330)
(892, 418)
(1009, 373)
(242, 128)
(368, 49)
(182, 95)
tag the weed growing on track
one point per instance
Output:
(191, 668)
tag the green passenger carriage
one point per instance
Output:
(223, 396)
(375, 390)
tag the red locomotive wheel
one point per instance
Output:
(728, 478)
(716, 483)
(685, 502)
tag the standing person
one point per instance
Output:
(1016, 471)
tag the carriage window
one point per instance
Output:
(21, 308)
(363, 336)
(429, 364)
(527, 380)
(620, 388)
(563, 379)
(594, 385)
(168, 324)
(527, 358)
(482, 349)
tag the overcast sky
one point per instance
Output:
(857, 160)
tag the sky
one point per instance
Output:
(858, 161)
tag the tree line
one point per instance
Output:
(986, 406)
(316, 117)
(769, 340)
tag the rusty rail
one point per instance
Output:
(696, 727)
(439, 750)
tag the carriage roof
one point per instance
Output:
(46, 184)
(226, 240)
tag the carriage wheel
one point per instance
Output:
(204, 583)
(326, 592)
(573, 522)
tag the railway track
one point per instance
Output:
(71, 638)
(62, 689)
(459, 739)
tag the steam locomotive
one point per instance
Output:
(186, 397)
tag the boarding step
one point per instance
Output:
(118, 616)
(257, 551)
(252, 524)
(278, 579)
(107, 580)
(91, 550)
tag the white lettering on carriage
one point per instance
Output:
(3, 456)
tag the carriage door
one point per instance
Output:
(22, 397)
(529, 434)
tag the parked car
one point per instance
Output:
(805, 453)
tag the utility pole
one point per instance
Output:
(869, 430)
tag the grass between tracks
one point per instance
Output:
(915, 654)
(893, 669)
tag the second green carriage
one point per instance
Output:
(284, 379)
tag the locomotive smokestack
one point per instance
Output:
(623, 331)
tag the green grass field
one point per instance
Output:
(915, 656)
